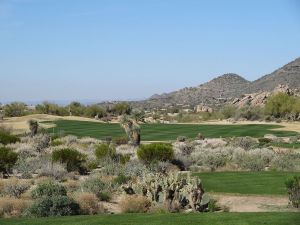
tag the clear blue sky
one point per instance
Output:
(131, 49)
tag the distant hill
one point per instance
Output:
(225, 88)
(286, 75)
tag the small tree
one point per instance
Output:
(8, 158)
(33, 127)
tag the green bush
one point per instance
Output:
(104, 196)
(7, 138)
(120, 179)
(8, 158)
(293, 187)
(51, 200)
(48, 190)
(104, 150)
(282, 105)
(73, 159)
(155, 152)
(54, 206)
(56, 142)
(94, 184)
(122, 140)
(15, 109)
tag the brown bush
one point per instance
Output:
(89, 203)
(135, 204)
(13, 207)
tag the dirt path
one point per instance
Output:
(245, 203)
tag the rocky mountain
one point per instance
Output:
(287, 75)
(226, 88)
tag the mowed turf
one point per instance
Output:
(277, 218)
(260, 183)
(166, 132)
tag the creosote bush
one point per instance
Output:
(51, 200)
(104, 150)
(7, 138)
(155, 152)
(72, 158)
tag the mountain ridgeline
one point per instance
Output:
(225, 88)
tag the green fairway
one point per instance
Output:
(261, 183)
(166, 132)
(295, 145)
(167, 219)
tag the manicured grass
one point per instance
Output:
(261, 183)
(167, 219)
(167, 132)
(295, 145)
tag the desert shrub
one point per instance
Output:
(111, 167)
(210, 157)
(104, 150)
(155, 152)
(186, 149)
(213, 206)
(181, 138)
(94, 184)
(252, 162)
(41, 141)
(69, 139)
(264, 141)
(8, 158)
(135, 169)
(54, 170)
(120, 179)
(7, 138)
(135, 204)
(51, 200)
(122, 140)
(243, 142)
(293, 188)
(282, 105)
(284, 162)
(54, 206)
(71, 157)
(200, 136)
(88, 203)
(15, 188)
(56, 142)
(228, 111)
(71, 185)
(104, 196)
(15, 109)
(13, 207)
(92, 164)
(250, 113)
(48, 189)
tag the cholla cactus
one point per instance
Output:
(178, 189)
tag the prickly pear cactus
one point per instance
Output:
(180, 189)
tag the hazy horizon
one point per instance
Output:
(129, 50)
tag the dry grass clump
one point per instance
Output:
(14, 187)
(135, 204)
(13, 207)
(89, 203)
